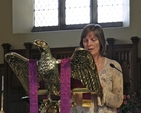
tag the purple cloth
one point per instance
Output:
(42, 86)
(33, 86)
(65, 86)
(87, 96)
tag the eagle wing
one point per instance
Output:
(83, 68)
(19, 66)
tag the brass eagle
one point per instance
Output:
(82, 64)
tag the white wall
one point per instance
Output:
(63, 38)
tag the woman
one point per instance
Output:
(93, 40)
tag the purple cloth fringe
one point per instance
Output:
(65, 86)
(33, 86)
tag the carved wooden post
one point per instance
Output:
(134, 74)
(28, 47)
(6, 47)
(1, 85)
(110, 47)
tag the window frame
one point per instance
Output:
(63, 26)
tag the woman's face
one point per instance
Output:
(91, 43)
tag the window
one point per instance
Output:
(75, 14)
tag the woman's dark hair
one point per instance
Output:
(98, 31)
